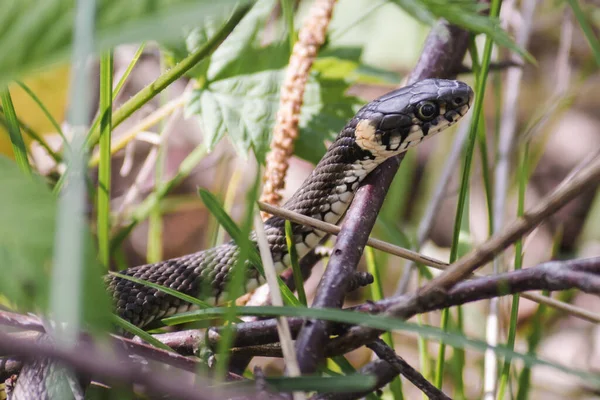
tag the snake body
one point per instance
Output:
(385, 127)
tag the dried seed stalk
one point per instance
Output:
(310, 38)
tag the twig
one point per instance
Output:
(94, 362)
(379, 369)
(425, 260)
(388, 354)
(550, 276)
(335, 230)
(495, 66)
(584, 180)
(581, 274)
(283, 328)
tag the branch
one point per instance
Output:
(92, 361)
(388, 354)
(342, 266)
(386, 369)
(425, 260)
(585, 179)
(335, 230)
(581, 274)
(442, 56)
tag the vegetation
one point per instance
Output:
(81, 180)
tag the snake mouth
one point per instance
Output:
(420, 130)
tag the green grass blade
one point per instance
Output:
(145, 336)
(586, 28)
(523, 176)
(216, 209)
(14, 132)
(104, 167)
(235, 286)
(121, 83)
(287, 6)
(537, 330)
(214, 206)
(42, 107)
(477, 110)
(127, 72)
(377, 294)
(32, 134)
(167, 290)
(378, 322)
(331, 384)
(289, 239)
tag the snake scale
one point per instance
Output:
(385, 127)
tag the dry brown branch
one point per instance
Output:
(585, 179)
(429, 261)
(93, 361)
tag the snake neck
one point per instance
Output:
(325, 195)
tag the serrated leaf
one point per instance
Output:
(242, 106)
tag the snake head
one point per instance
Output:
(404, 117)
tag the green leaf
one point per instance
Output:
(344, 63)
(215, 208)
(334, 384)
(236, 54)
(239, 94)
(27, 218)
(145, 336)
(39, 33)
(243, 106)
(26, 241)
(325, 111)
(167, 290)
(239, 90)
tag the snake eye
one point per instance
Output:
(457, 101)
(427, 110)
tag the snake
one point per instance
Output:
(383, 128)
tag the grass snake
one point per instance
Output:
(385, 127)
